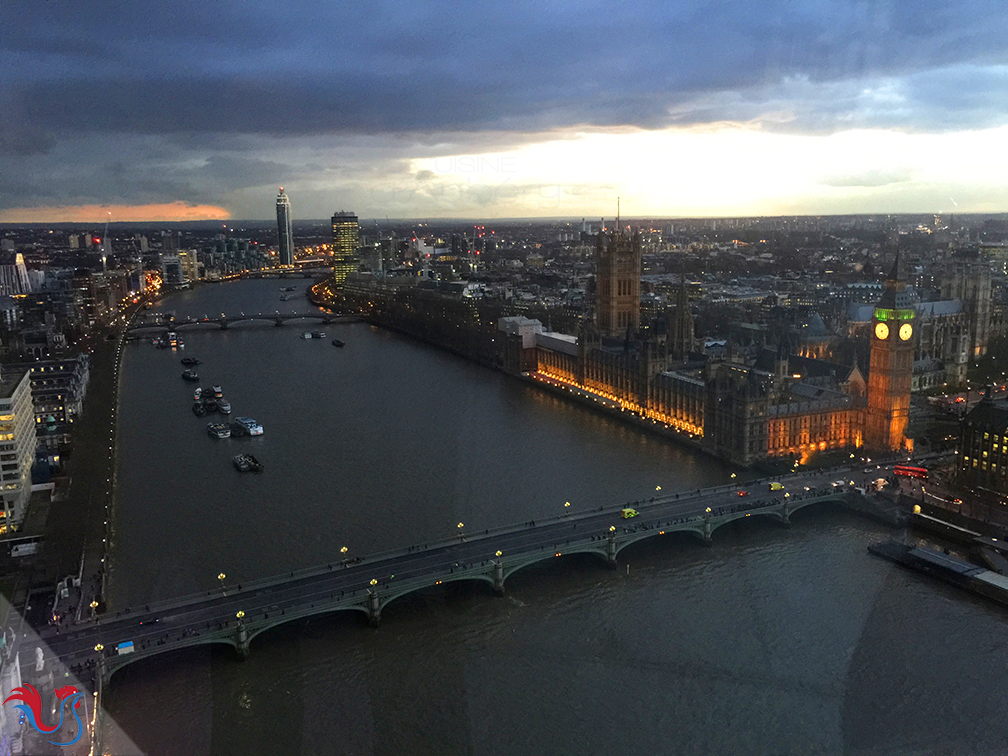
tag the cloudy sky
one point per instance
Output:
(424, 109)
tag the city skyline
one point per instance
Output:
(694, 111)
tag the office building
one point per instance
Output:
(983, 446)
(13, 274)
(346, 239)
(17, 446)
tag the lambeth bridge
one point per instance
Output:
(160, 322)
(234, 614)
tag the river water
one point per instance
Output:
(771, 641)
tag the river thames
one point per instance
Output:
(773, 640)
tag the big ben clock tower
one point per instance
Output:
(890, 367)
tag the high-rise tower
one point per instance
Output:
(617, 281)
(890, 368)
(285, 230)
(345, 239)
(680, 325)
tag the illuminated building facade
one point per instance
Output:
(285, 229)
(346, 239)
(617, 281)
(890, 369)
(983, 446)
(17, 447)
(189, 264)
(13, 274)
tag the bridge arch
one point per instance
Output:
(262, 626)
(596, 548)
(387, 597)
(113, 664)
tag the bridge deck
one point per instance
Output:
(223, 321)
(236, 614)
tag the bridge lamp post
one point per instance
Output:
(567, 507)
(460, 531)
(240, 614)
(221, 578)
(93, 605)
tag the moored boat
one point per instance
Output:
(307, 335)
(218, 430)
(190, 361)
(318, 334)
(247, 463)
(223, 405)
(250, 425)
(217, 391)
(337, 343)
(198, 410)
(190, 375)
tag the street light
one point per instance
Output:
(499, 552)
(240, 614)
(99, 647)
(566, 507)
(657, 488)
(374, 582)
(343, 550)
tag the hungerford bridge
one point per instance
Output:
(160, 323)
(234, 615)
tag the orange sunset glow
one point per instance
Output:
(170, 211)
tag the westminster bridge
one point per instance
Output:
(234, 614)
(159, 322)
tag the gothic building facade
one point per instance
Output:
(617, 281)
(747, 412)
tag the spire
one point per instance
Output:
(894, 273)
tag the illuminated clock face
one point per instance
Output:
(882, 331)
(906, 331)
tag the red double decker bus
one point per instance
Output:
(910, 472)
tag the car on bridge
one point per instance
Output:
(743, 493)
(775, 486)
(628, 513)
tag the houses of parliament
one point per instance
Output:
(774, 405)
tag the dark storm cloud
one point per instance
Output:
(311, 68)
(147, 102)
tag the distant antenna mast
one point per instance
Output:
(106, 247)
